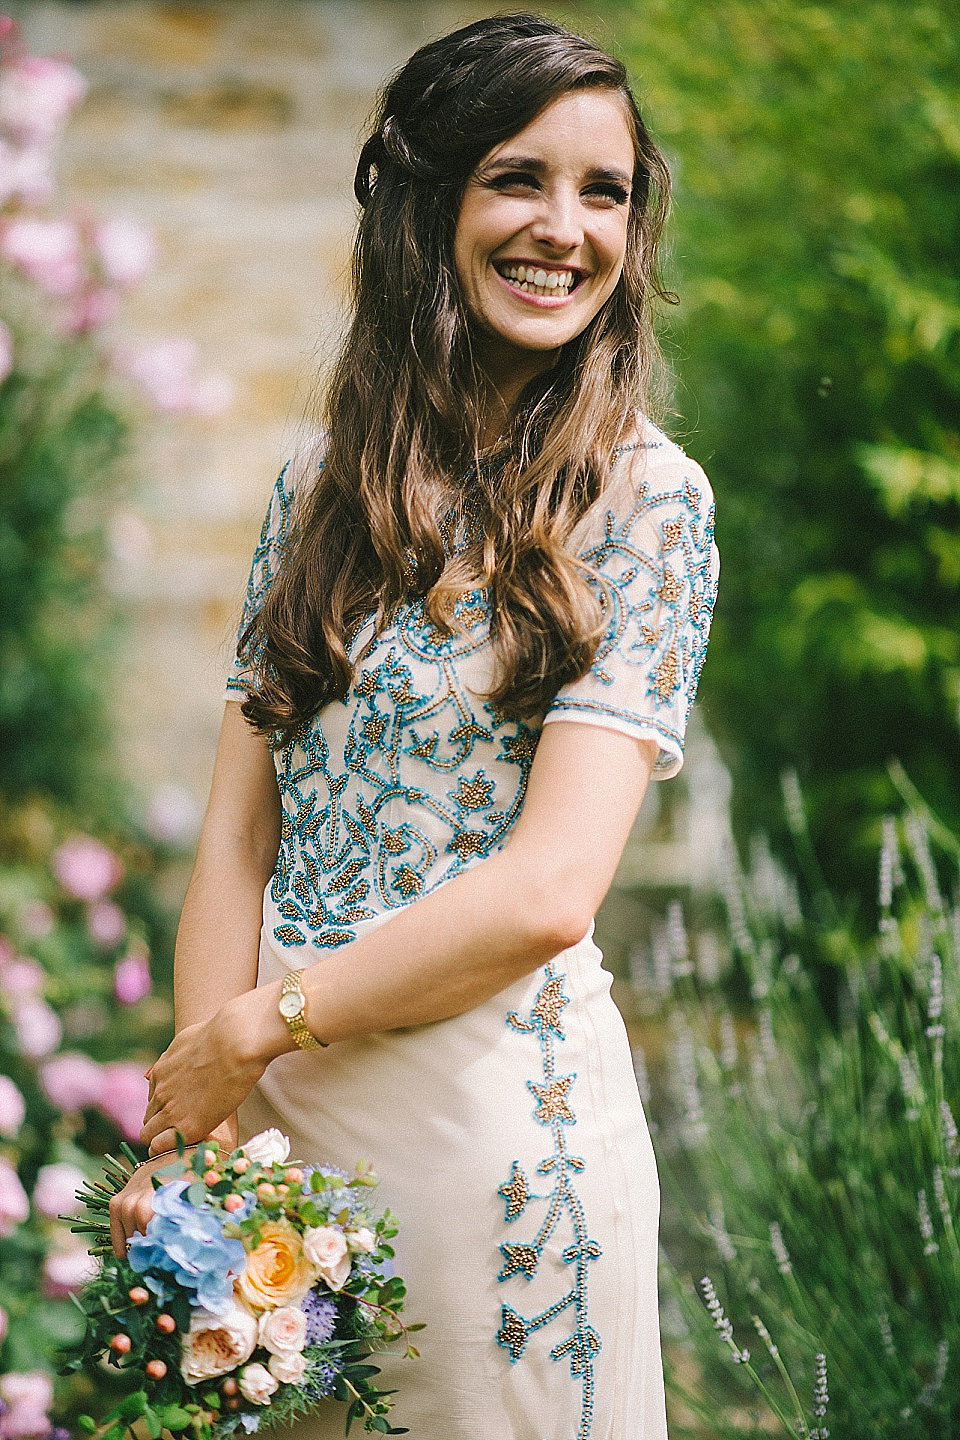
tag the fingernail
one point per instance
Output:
(148, 1073)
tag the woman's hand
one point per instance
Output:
(132, 1208)
(203, 1076)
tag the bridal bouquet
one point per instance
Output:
(259, 1289)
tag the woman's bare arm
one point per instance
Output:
(219, 934)
(446, 952)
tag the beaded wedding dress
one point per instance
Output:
(510, 1141)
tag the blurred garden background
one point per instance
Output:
(175, 222)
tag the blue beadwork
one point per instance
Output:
(413, 776)
(562, 1207)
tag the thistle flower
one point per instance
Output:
(935, 1029)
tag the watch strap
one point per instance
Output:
(296, 1024)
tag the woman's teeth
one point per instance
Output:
(539, 282)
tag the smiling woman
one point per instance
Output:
(473, 632)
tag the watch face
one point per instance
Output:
(291, 1005)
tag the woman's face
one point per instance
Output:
(542, 232)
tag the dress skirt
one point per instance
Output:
(512, 1148)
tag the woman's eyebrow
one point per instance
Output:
(536, 166)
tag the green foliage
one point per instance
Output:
(61, 435)
(812, 1159)
(817, 153)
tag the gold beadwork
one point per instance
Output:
(516, 1192)
(520, 1258)
(550, 1003)
(552, 1100)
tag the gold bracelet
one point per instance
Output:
(160, 1156)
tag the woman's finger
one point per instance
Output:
(166, 1140)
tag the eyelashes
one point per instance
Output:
(522, 180)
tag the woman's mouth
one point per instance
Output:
(537, 280)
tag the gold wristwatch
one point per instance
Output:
(292, 1004)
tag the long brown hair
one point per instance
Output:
(403, 414)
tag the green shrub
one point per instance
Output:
(812, 1159)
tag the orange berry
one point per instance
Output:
(294, 1176)
(211, 1177)
(266, 1191)
(120, 1343)
(233, 1202)
(210, 1157)
(138, 1294)
(156, 1369)
(165, 1324)
(283, 1189)
(230, 1386)
(241, 1165)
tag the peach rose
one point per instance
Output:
(362, 1239)
(257, 1384)
(283, 1332)
(327, 1250)
(277, 1272)
(216, 1344)
(288, 1369)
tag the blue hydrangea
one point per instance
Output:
(321, 1313)
(187, 1244)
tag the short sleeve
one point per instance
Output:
(266, 560)
(650, 538)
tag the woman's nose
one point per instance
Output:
(559, 224)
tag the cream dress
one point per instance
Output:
(510, 1141)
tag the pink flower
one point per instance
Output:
(326, 1249)
(165, 370)
(131, 978)
(126, 250)
(48, 251)
(37, 94)
(172, 816)
(6, 345)
(362, 1240)
(89, 309)
(28, 1395)
(22, 979)
(25, 174)
(107, 923)
(14, 1205)
(38, 1028)
(217, 1344)
(55, 1189)
(37, 919)
(125, 1094)
(86, 869)
(13, 1107)
(257, 1384)
(71, 1081)
(66, 1267)
(287, 1368)
(283, 1331)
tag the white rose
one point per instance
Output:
(283, 1332)
(216, 1344)
(257, 1384)
(270, 1147)
(362, 1239)
(326, 1249)
(289, 1369)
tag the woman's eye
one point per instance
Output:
(612, 193)
(514, 180)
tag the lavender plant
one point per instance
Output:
(809, 1142)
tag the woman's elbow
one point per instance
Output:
(558, 917)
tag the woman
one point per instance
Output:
(473, 632)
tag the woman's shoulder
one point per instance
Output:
(651, 468)
(652, 482)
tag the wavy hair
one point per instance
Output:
(404, 410)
